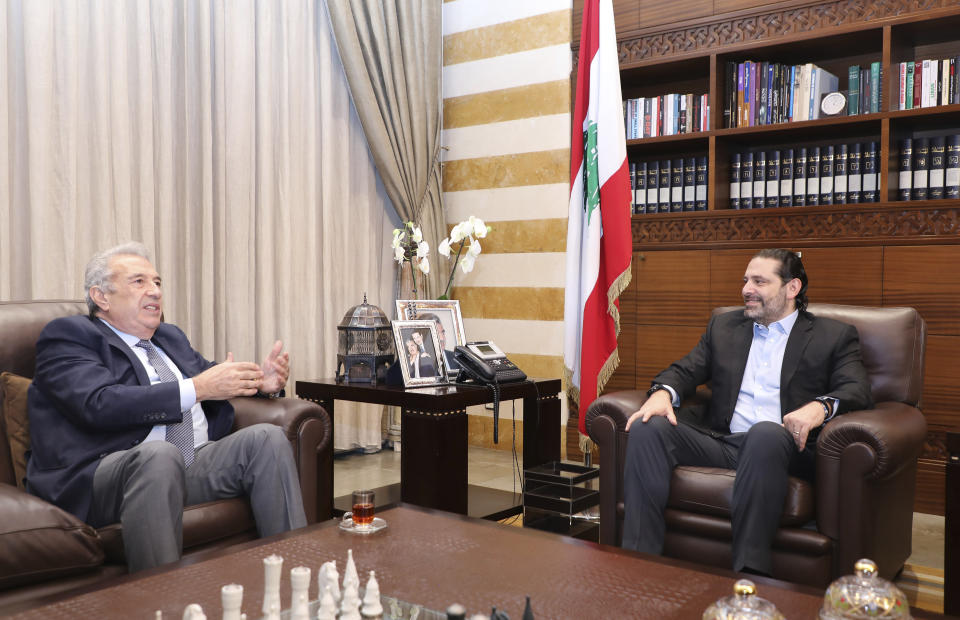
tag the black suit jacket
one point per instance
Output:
(91, 396)
(822, 358)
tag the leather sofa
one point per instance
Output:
(861, 504)
(46, 551)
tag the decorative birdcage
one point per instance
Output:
(364, 345)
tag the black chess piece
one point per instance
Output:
(528, 611)
(498, 615)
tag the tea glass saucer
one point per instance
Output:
(378, 524)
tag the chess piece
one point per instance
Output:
(299, 593)
(328, 608)
(231, 598)
(193, 612)
(350, 604)
(372, 608)
(158, 615)
(456, 612)
(271, 583)
(528, 611)
(350, 576)
(329, 579)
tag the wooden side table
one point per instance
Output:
(433, 461)
(951, 538)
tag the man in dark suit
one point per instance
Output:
(777, 374)
(131, 424)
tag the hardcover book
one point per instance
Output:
(772, 198)
(640, 189)
(700, 203)
(937, 167)
(786, 178)
(735, 181)
(746, 181)
(921, 168)
(663, 204)
(840, 174)
(813, 176)
(952, 176)
(759, 179)
(653, 184)
(689, 183)
(905, 178)
(854, 173)
(869, 166)
(800, 177)
(826, 175)
(676, 184)
(853, 90)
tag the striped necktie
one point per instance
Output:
(181, 433)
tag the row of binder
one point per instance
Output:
(669, 185)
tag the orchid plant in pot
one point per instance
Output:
(463, 236)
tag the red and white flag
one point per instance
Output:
(598, 231)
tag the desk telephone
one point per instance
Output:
(486, 364)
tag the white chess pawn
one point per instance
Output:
(350, 605)
(271, 583)
(300, 589)
(193, 612)
(274, 612)
(372, 608)
(350, 576)
(328, 608)
(231, 598)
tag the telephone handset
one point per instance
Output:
(485, 363)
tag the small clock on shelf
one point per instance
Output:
(833, 104)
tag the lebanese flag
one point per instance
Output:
(598, 232)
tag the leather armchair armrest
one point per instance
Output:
(866, 465)
(617, 407)
(308, 427)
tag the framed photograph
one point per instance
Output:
(446, 314)
(419, 353)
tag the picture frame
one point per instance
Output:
(418, 346)
(444, 312)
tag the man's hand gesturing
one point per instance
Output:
(228, 379)
(276, 369)
(659, 403)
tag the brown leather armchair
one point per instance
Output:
(47, 551)
(862, 502)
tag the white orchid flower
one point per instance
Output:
(477, 227)
(474, 250)
(424, 264)
(444, 249)
(398, 254)
(458, 233)
(417, 234)
(423, 249)
(466, 263)
(397, 239)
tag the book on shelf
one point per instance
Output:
(813, 176)
(664, 115)
(773, 180)
(952, 175)
(935, 190)
(700, 179)
(759, 179)
(663, 204)
(765, 93)
(876, 78)
(786, 178)
(676, 184)
(840, 177)
(853, 90)
(921, 168)
(640, 188)
(800, 177)
(905, 176)
(689, 183)
(826, 175)
(746, 181)
(633, 187)
(869, 168)
(854, 173)
(653, 186)
(735, 181)
(906, 96)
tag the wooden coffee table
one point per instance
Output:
(435, 559)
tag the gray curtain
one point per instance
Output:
(392, 53)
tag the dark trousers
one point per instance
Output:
(763, 457)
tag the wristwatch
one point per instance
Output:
(827, 407)
(656, 387)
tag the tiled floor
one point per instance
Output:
(495, 468)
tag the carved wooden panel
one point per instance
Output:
(860, 225)
(673, 288)
(927, 278)
(726, 31)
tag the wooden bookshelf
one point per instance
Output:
(885, 253)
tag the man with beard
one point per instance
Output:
(777, 374)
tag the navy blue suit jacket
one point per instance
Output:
(91, 397)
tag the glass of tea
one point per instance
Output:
(362, 513)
